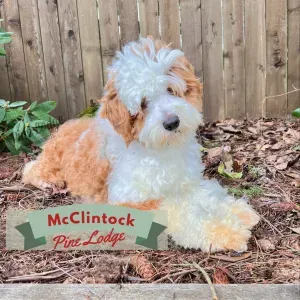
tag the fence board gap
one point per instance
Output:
(54, 69)
(190, 11)
(33, 51)
(129, 22)
(4, 87)
(211, 12)
(170, 22)
(276, 28)
(15, 53)
(255, 57)
(91, 50)
(149, 18)
(70, 38)
(234, 59)
(109, 32)
(293, 53)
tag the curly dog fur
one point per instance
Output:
(140, 151)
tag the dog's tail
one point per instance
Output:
(31, 173)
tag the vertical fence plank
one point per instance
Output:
(149, 19)
(53, 57)
(91, 50)
(109, 32)
(214, 108)
(33, 51)
(234, 59)
(255, 57)
(293, 53)
(169, 22)
(276, 81)
(129, 22)
(74, 78)
(190, 11)
(15, 53)
(4, 80)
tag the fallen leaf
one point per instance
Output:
(266, 245)
(214, 155)
(297, 148)
(293, 175)
(252, 130)
(230, 129)
(297, 230)
(282, 163)
(293, 134)
(226, 137)
(285, 161)
(214, 152)
(222, 170)
(227, 122)
(272, 158)
(277, 146)
(288, 140)
(296, 183)
(265, 147)
(269, 124)
(220, 277)
(238, 165)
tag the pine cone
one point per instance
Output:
(220, 277)
(142, 266)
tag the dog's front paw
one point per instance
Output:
(245, 213)
(224, 234)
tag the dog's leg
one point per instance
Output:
(210, 219)
(193, 227)
(31, 175)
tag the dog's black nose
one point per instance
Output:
(172, 123)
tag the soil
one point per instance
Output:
(264, 153)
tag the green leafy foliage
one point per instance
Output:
(251, 191)
(296, 113)
(222, 170)
(89, 112)
(5, 37)
(20, 128)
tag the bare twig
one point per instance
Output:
(207, 278)
(78, 280)
(270, 224)
(276, 96)
(37, 276)
(14, 189)
(174, 274)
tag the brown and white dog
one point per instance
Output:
(140, 151)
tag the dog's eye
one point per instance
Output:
(170, 91)
(144, 104)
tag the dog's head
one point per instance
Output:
(152, 95)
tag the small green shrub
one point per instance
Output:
(5, 37)
(20, 128)
(251, 192)
(296, 113)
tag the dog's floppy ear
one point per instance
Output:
(116, 112)
(193, 93)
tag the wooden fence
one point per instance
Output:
(243, 50)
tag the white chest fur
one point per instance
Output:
(140, 174)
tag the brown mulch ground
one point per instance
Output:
(266, 152)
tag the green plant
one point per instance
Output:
(19, 127)
(5, 37)
(251, 192)
(296, 113)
